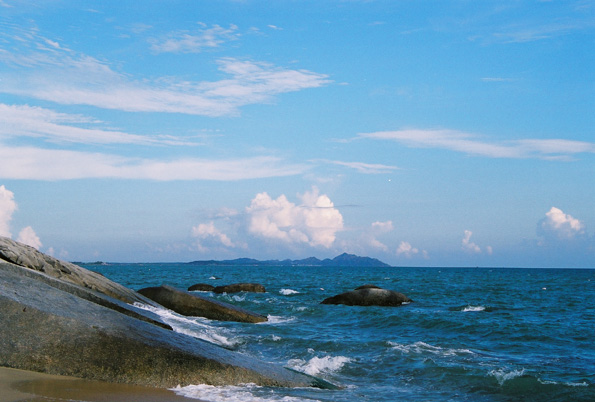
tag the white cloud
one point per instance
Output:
(37, 122)
(551, 149)
(28, 236)
(315, 221)
(468, 245)
(207, 233)
(195, 42)
(366, 168)
(61, 75)
(45, 164)
(560, 225)
(382, 227)
(405, 249)
(7, 208)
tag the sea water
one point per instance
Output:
(469, 335)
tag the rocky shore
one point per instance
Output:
(59, 318)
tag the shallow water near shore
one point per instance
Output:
(471, 334)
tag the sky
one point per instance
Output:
(421, 133)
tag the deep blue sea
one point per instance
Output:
(472, 334)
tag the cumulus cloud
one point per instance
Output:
(406, 249)
(315, 221)
(62, 75)
(469, 246)
(559, 225)
(207, 234)
(382, 227)
(195, 41)
(550, 149)
(28, 236)
(7, 208)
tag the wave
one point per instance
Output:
(245, 393)
(473, 308)
(320, 365)
(287, 292)
(422, 348)
(192, 326)
(275, 319)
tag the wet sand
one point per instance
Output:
(21, 386)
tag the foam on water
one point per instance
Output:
(196, 327)
(287, 292)
(231, 393)
(422, 347)
(503, 375)
(275, 319)
(320, 365)
(474, 308)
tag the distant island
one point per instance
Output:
(343, 260)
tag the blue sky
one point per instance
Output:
(422, 133)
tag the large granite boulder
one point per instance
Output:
(28, 257)
(240, 287)
(369, 295)
(50, 324)
(189, 304)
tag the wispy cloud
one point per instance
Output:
(551, 149)
(37, 122)
(44, 69)
(366, 168)
(194, 41)
(30, 163)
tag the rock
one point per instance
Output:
(369, 295)
(28, 257)
(240, 287)
(47, 329)
(201, 287)
(189, 304)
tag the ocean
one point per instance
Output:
(470, 334)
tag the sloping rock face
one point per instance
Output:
(28, 257)
(369, 295)
(52, 325)
(240, 287)
(189, 304)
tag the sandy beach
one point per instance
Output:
(20, 385)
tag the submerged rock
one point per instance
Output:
(369, 295)
(189, 304)
(201, 287)
(240, 287)
(50, 324)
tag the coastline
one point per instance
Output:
(21, 385)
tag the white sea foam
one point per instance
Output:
(276, 319)
(319, 365)
(502, 375)
(196, 327)
(422, 347)
(474, 308)
(231, 393)
(287, 292)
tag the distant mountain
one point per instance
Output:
(343, 260)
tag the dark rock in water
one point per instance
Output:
(201, 287)
(369, 295)
(189, 304)
(50, 324)
(240, 287)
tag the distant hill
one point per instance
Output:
(343, 260)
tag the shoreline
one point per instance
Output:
(21, 385)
